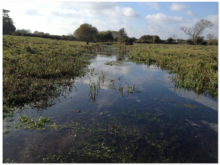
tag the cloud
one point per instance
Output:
(162, 18)
(128, 12)
(190, 13)
(125, 12)
(117, 21)
(178, 7)
(65, 13)
(155, 29)
(189, 23)
(212, 18)
(32, 12)
(97, 9)
(153, 5)
(61, 18)
(90, 5)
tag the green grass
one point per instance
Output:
(33, 68)
(196, 66)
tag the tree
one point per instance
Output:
(169, 40)
(104, 36)
(122, 33)
(70, 36)
(156, 39)
(199, 40)
(198, 29)
(23, 31)
(8, 24)
(210, 36)
(133, 39)
(190, 42)
(85, 32)
(35, 32)
(148, 39)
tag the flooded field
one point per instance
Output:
(120, 111)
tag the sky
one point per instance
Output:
(138, 18)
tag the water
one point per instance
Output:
(155, 123)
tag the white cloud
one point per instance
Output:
(190, 13)
(61, 18)
(102, 9)
(153, 5)
(178, 7)
(116, 12)
(65, 13)
(189, 23)
(212, 18)
(156, 29)
(162, 18)
(128, 12)
(90, 5)
(117, 21)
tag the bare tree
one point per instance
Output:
(198, 29)
(210, 36)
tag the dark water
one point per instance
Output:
(155, 123)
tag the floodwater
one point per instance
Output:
(155, 122)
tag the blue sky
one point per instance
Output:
(138, 18)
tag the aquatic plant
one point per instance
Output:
(131, 89)
(32, 123)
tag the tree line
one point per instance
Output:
(89, 33)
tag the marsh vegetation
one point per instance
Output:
(195, 66)
(65, 101)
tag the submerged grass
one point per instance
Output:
(33, 68)
(138, 135)
(196, 66)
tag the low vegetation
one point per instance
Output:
(33, 68)
(196, 66)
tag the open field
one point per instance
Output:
(196, 66)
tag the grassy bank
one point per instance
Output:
(196, 66)
(34, 67)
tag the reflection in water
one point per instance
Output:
(150, 123)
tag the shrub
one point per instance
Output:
(190, 42)
(213, 42)
(149, 39)
(169, 40)
(126, 41)
(203, 43)
(199, 40)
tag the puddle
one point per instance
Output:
(151, 122)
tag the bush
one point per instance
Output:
(203, 43)
(126, 41)
(199, 40)
(142, 41)
(169, 40)
(213, 42)
(148, 39)
(190, 42)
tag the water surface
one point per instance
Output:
(155, 123)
